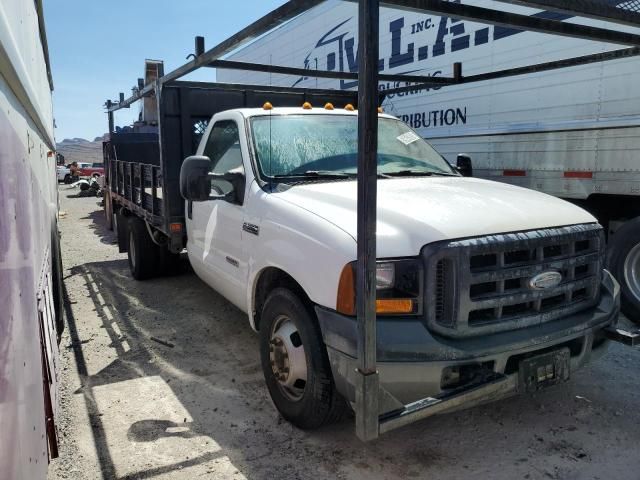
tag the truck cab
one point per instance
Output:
(474, 278)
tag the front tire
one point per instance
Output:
(624, 263)
(142, 252)
(295, 363)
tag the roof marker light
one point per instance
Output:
(307, 106)
(348, 107)
(380, 110)
(267, 106)
(328, 106)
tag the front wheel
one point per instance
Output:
(295, 363)
(624, 262)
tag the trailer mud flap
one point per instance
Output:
(122, 230)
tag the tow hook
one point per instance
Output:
(627, 336)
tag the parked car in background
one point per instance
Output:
(91, 169)
(64, 173)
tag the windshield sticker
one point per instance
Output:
(408, 138)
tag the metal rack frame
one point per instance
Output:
(368, 423)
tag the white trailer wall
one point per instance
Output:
(503, 124)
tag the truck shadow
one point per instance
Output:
(99, 227)
(196, 358)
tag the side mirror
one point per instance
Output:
(464, 165)
(195, 183)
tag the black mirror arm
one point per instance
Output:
(234, 178)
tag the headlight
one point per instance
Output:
(398, 288)
(385, 273)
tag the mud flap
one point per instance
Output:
(122, 229)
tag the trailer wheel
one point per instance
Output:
(295, 363)
(142, 252)
(57, 282)
(624, 263)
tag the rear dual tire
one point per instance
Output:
(142, 251)
(146, 258)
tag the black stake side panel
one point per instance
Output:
(183, 105)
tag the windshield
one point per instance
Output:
(302, 145)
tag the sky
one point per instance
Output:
(98, 48)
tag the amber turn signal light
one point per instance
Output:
(346, 301)
(394, 305)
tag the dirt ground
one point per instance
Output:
(161, 379)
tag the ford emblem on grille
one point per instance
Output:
(545, 280)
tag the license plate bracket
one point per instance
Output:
(541, 371)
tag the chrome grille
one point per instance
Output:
(482, 285)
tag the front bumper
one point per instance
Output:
(411, 359)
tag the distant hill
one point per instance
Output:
(81, 150)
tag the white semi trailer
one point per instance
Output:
(31, 286)
(573, 132)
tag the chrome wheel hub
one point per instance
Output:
(287, 358)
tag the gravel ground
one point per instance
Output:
(161, 379)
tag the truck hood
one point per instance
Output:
(413, 212)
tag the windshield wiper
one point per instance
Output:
(418, 173)
(323, 174)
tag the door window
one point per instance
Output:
(223, 148)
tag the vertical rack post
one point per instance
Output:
(367, 375)
(109, 104)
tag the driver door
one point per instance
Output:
(214, 227)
